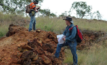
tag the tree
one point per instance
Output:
(14, 6)
(98, 15)
(81, 8)
(63, 14)
(53, 15)
(46, 12)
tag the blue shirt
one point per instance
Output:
(70, 35)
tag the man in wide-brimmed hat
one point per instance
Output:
(70, 40)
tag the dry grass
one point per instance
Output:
(95, 56)
(7, 19)
(3, 30)
(58, 25)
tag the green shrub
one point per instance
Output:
(1, 34)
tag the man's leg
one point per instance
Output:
(59, 46)
(73, 50)
(34, 24)
(31, 22)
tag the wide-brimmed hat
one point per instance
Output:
(68, 19)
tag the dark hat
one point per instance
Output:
(68, 19)
(36, 1)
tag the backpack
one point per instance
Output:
(79, 35)
(28, 9)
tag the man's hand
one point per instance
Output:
(38, 8)
(64, 38)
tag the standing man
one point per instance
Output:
(70, 40)
(32, 14)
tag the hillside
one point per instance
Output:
(92, 48)
(56, 25)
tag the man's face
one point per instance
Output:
(35, 3)
(67, 22)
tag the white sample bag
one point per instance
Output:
(60, 39)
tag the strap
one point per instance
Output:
(71, 28)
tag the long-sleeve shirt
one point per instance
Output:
(70, 34)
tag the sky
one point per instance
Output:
(60, 6)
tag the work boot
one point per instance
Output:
(54, 57)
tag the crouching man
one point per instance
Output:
(70, 40)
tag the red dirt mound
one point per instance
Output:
(21, 47)
(89, 38)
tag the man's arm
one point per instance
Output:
(36, 9)
(72, 36)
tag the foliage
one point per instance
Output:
(81, 8)
(18, 7)
(46, 12)
(14, 6)
(1, 34)
(97, 15)
(63, 14)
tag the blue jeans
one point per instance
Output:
(72, 48)
(32, 22)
